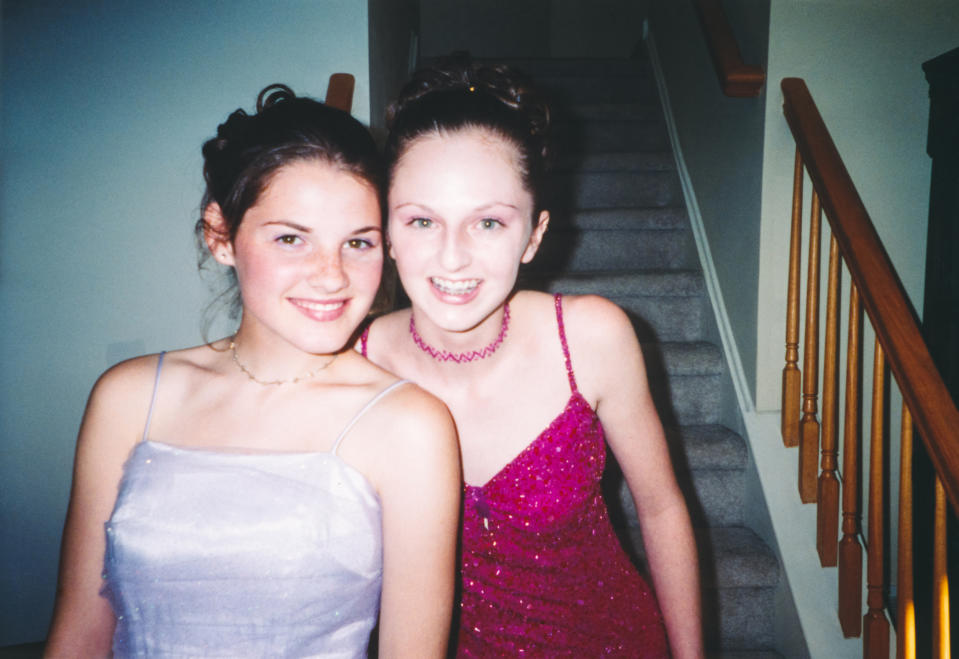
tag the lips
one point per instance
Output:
(320, 310)
(455, 287)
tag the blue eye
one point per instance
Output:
(421, 222)
(489, 223)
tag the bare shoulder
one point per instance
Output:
(126, 382)
(409, 439)
(416, 418)
(596, 320)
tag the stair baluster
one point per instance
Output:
(827, 511)
(791, 374)
(905, 605)
(875, 642)
(809, 426)
(850, 551)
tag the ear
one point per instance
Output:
(536, 237)
(216, 235)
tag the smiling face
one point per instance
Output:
(460, 225)
(307, 255)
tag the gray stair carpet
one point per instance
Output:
(619, 229)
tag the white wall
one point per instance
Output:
(105, 106)
(861, 60)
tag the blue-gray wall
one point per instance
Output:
(105, 104)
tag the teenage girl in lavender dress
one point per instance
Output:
(273, 492)
(538, 386)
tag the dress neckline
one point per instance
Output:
(573, 398)
(239, 453)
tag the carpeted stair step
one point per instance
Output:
(610, 135)
(616, 188)
(617, 239)
(664, 305)
(645, 110)
(629, 161)
(709, 461)
(575, 89)
(738, 574)
(593, 66)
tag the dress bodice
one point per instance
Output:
(213, 553)
(243, 554)
(543, 573)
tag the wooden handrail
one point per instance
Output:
(736, 78)
(934, 414)
(339, 91)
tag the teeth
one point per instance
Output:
(320, 306)
(455, 287)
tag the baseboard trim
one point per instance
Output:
(726, 336)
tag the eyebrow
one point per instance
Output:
(484, 207)
(303, 229)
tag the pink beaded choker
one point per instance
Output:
(461, 357)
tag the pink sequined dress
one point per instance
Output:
(543, 573)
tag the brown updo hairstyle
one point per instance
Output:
(248, 150)
(459, 94)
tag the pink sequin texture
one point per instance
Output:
(543, 574)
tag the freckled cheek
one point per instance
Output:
(259, 272)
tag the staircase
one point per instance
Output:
(619, 229)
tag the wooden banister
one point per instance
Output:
(339, 91)
(927, 405)
(736, 78)
(935, 417)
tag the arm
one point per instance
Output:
(83, 620)
(615, 374)
(420, 490)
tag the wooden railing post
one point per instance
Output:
(809, 425)
(850, 551)
(875, 642)
(827, 510)
(791, 374)
(339, 91)
(905, 603)
(940, 579)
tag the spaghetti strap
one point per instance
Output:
(356, 417)
(364, 337)
(153, 398)
(558, 297)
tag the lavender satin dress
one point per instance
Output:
(214, 553)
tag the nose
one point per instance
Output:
(455, 251)
(326, 271)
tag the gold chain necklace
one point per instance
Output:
(236, 360)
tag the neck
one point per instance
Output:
(457, 348)
(269, 360)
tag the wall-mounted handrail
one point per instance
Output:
(934, 414)
(339, 91)
(736, 78)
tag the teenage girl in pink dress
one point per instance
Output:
(538, 386)
(272, 493)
